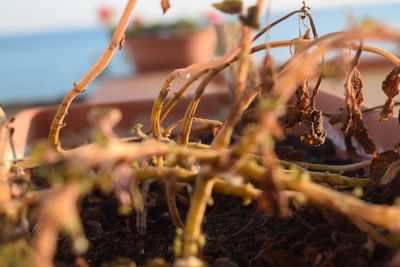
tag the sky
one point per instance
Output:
(19, 16)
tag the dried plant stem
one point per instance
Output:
(243, 68)
(186, 176)
(231, 54)
(168, 107)
(99, 66)
(224, 135)
(170, 128)
(103, 61)
(256, 172)
(205, 66)
(202, 193)
(268, 27)
(299, 64)
(171, 202)
(183, 137)
(157, 108)
(207, 178)
(330, 168)
(335, 40)
(337, 179)
(381, 215)
(158, 113)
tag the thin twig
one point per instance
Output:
(214, 123)
(183, 137)
(99, 66)
(168, 107)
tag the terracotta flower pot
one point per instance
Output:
(33, 125)
(154, 53)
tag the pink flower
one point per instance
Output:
(214, 17)
(106, 14)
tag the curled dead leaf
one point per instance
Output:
(302, 95)
(351, 117)
(308, 124)
(390, 86)
(361, 134)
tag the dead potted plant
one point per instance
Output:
(241, 195)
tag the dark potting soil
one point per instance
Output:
(236, 235)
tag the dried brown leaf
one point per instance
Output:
(229, 6)
(361, 133)
(390, 87)
(165, 5)
(387, 110)
(308, 124)
(350, 149)
(351, 116)
(357, 83)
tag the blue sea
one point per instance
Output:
(42, 67)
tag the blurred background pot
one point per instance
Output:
(156, 52)
(32, 125)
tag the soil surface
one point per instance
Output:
(236, 235)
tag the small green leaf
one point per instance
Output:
(229, 6)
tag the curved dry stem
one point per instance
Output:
(256, 172)
(268, 27)
(381, 215)
(331, 168)
(243, 63)
(205, 66)
(183, 137)
(157, 108)
(366, 48)
(202, 193)
(171, 202)
(231, 54)
(298, 67)
(170, 128)
(224, 135)
(99, 66)
(168, 107)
